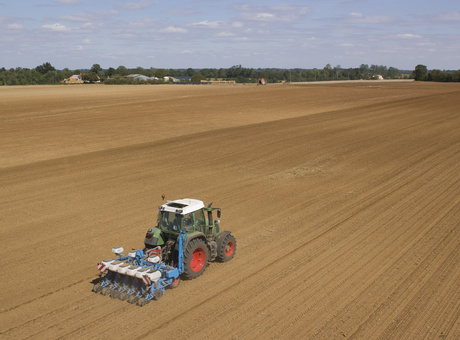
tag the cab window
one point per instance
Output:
(187, 222)
(199, 218)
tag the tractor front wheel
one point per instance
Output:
(227, 248)
(196, 257)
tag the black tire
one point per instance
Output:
(158, 294)
(226, 249)
(196, 257)
(175, 283)
(97, 288)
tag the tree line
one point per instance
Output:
(421, 74)
(47, 74)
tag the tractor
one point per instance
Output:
(205, 241)
(182, 243)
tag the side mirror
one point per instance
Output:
(218, 213)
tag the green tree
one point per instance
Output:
(337, 70)
(122, 71)
(95, 68)
(456, 76)
(438, 75)
(393, 72)
(45, 68)
(364, 71)
(190, 72)
(197, 77)
(327, 71)
(420, 73)
(222, 73)
(151, 72)
(160, 73)
(110, 72)
(65, 73)
(90, 76)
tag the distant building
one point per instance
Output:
(140, 77)
(74, 79)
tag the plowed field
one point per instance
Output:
(343, 198)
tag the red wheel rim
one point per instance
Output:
(198, 258)
(229, 247)
(175, 282)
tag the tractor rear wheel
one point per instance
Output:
(196, 257)
(227, 248)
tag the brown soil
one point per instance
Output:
(344, 199)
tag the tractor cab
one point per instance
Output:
(184, 214)
(187, 215)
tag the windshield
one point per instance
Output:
(174, 222)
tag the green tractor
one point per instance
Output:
(204, 239)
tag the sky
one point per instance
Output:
(222, 33)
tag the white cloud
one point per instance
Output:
(265, 16)
(97, 16)
(67, 2)
(452, 16)
(57, 27)
(241, 39)
(359, 18)
(225, 34)
(279, 13)
(207, 23)
(127, 36)
(143, 4)
(408, 36)
(15, 26)
(172, 29)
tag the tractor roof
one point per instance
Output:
(182, 206)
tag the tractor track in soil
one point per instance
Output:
(343, 198)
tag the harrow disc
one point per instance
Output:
(142, 302)
(115, 294)
(105, 291)
(97, 288)
(123, 296)
(133, 299)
